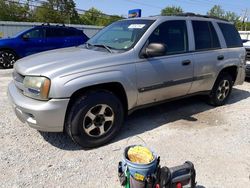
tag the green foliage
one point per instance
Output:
(231, 16)
(243, 26)
(217, 11)
(11, 11)
(53, 11)
(171, 10)
(96, 17)
(57, 11)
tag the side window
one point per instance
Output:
(79, 32)
(35, 33)
(70, 32)
(205, 35)
(54, 32)
(231, 35)
(173, 34)
(50, 32)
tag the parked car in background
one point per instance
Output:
(245, 41)
(38, 39)
(246, 44)
(87, 91)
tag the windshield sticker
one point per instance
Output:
(136, 26)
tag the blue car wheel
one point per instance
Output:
(7, 59)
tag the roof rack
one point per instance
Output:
(57, 25)
(199, 15)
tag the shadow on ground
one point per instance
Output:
(152, 118)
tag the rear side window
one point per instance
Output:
(231, 35)
(70, 32)
(205, 36)
(55, 32)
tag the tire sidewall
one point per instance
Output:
(82, 106)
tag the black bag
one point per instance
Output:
(179, 176)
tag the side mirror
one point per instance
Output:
(25, 37)
(155, 49)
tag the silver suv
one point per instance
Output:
(87, 91)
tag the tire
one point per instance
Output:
(221, 90)
(7, 59)
(94, 119)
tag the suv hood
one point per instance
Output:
(62, 61)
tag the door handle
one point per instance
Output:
(186, 62)
(220, 57)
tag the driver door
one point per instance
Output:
(170, 75)
(33, 41)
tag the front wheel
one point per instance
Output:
(7, 59)
(94, 119)
(221, 90)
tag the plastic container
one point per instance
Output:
(139, 170)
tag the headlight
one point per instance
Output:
(36, 87)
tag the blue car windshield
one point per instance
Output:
(121, 35)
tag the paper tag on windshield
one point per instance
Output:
(136, 26)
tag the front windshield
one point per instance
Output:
(121, 35)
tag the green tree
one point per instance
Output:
(231, 16)
(171, 10)
(57, 11)
(13, 11)
(94, 16)
(216, 11)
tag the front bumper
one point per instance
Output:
(47, 116)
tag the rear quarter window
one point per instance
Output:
(231, 35)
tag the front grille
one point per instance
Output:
(248, 54)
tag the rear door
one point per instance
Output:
(54, 38)
(235, 53)
(73, 37)
(170, 75)
(207, 55)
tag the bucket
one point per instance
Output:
(137, 170)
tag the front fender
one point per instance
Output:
(64, 87)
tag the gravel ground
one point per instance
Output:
(216, 140)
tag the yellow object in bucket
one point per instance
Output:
(140, 154)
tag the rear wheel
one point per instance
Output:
(94, 119)
(221, 90)
(7, 59)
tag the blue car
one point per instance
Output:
(38, 39)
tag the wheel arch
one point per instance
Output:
(114, 87)
(231, 70)
(10, 49)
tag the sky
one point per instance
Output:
(153, 7)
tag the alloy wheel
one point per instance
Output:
(98, 120)
(7, 59)
(223, 90)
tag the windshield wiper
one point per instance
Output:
(108, 48)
